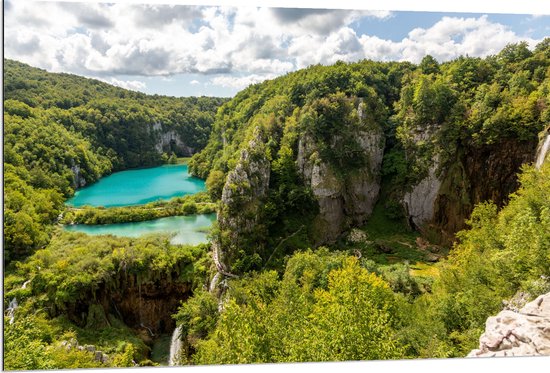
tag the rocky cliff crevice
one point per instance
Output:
(443, 200)
(145, 306)
(344, 200)
(244, 191)
(168, 141)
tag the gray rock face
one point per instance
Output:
(245, 188)
(420, 202)
(168, 140)
(79, 181)
(523, 333)
(342, 201)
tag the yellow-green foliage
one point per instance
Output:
(502, 253)
(326, 308)
(73, 266)
(199, 203)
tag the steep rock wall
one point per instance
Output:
(244, 190)
(78, 180)
(444, 199)
(343, 201)
(170, 141)
(484, 173)
(142, 305)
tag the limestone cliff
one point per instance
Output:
(78, 180)
(345, 200)
(444, 199)
(245, 188)
(145, 305)
(168, 140)
(517, 333)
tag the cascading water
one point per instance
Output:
(175, 347)
(543, 150)
(11, 309)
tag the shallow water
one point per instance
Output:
(186, 230)
(136, 187)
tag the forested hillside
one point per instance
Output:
(403, 153)
(301, 159)
(63, 131)
(367, 210)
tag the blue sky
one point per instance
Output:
(182, 50)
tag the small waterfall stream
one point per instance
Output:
(175, 347)
(543, 150)
(11, 309)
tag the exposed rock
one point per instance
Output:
(346, 200)
(480, 173)
(78, 180)
(245, 188)
(542, 149)
(420, 202)
(170, 141)
(357, 236)
(523, 333)
(146, 305)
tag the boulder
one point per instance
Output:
(522, 333)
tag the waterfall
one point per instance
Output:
(543, 150)
(175, 347)
(11, 309)
(214, 282)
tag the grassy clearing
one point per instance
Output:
(390, 242)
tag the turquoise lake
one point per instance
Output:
(137, 187)
(185, 230)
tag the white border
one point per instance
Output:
(519, 364)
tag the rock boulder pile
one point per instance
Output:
(522, 333)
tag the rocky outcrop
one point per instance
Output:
(78, 180)
(419, 203)
(73, 344)
(245, 188)
(478, 174)
(146, 305)
(344, 200)
(443, 200)
(170, 141)
(522, 333)
(543, 149)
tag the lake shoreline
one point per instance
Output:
(138, 202)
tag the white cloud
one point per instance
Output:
(134, 85)
(248, 44)
(194, 82)
(452, 37)
(239, 82)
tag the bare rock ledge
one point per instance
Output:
(522, 333)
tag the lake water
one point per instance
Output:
(186, 230)
(137, 187)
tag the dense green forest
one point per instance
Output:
(319, 252)
(63, 131)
